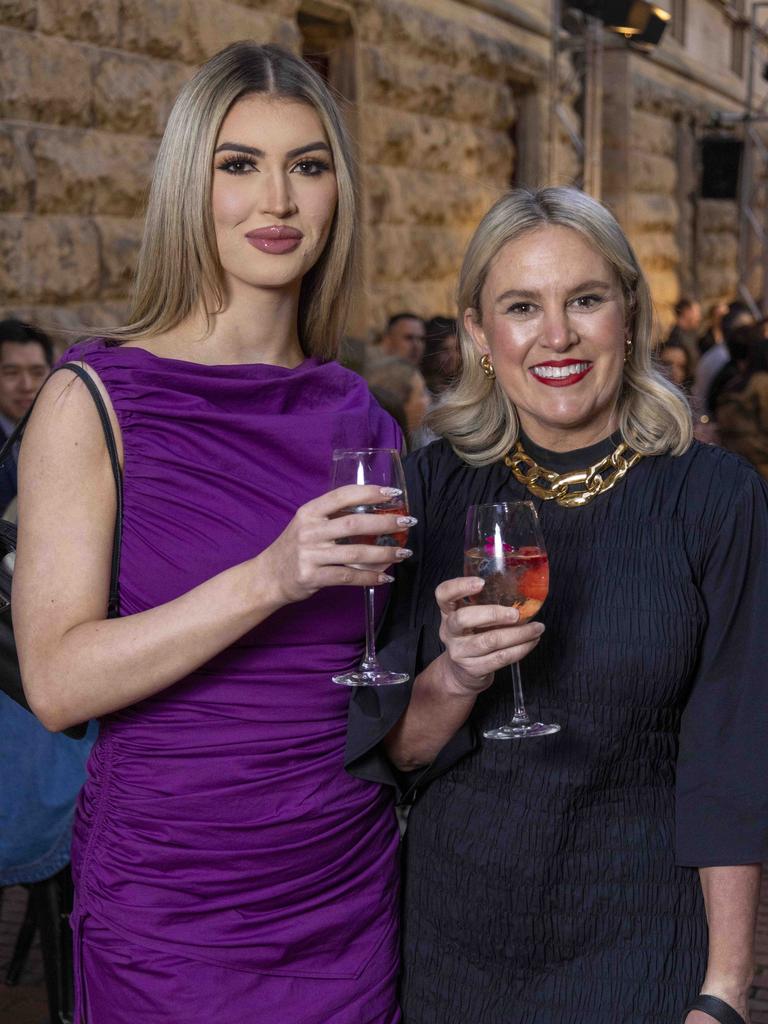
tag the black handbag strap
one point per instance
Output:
(109, 436)
(716, 1008)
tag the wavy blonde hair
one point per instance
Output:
(178, 270)
(476, 417)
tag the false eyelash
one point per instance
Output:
(316, 162)
(236, 159)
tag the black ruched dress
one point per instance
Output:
(553, 880)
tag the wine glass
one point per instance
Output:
(379, 466)
(503, 545)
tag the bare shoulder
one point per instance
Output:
(65, 419)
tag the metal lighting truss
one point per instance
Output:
(753, 183)
(587, 77)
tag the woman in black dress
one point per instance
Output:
(568, 879)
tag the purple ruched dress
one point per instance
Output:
(227, 869)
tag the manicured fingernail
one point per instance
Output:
(384, 578)
(403, 553)
(406, 521)
(540, 627)
(476, 583)
(391, 492)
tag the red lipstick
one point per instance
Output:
(560, 373)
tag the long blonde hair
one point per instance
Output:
(178, 268)
(477, 417)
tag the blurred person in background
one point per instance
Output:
(400, 389)
(404, 338)
(442, 359)
(713, 361)
(686, 328)
(740, 339)
(26, 355)
(741, 405)
(676, 363)
(714, 332)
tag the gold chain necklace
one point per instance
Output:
(572, 490)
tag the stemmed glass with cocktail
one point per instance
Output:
(503, 545)
(380, 466)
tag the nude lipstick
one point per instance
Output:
(275, 239)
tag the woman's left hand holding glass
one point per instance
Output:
(324, 547)
(479, 639)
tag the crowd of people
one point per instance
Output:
(722, 367)
(236, 849)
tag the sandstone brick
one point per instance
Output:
(286, 34)
(93, 21)
(421, 87)
(491, 57)
(719, 249)
(44, 79)
(120, 238)
(134, 94)
(650, 172)
(650, 212)
(404, 139)
(67, 323)
(11, 258)
(18, 13)
(54, 259)
(89, 172)
(414, 253)
(657, 250)
(717, 215)
(397, 196)
(665, 287)
(657, 132)
(430, 297)
(721, 280)
(154, 29)
(17, 172)
(413, 30)
(425, 35)
(193, 30)
(211, 25)
(286, 8)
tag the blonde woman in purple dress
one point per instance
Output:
(227, 869)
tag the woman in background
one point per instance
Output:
(400, 389)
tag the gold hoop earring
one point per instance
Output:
(487, 366)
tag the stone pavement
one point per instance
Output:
(26, 1003)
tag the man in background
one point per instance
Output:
(26, 355)
(404, 338)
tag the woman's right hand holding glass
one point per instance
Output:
(479, 639)
(314, 551)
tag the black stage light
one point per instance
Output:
(654, 30)
(639, 20)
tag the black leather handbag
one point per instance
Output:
(10, 677)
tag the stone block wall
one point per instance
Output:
(85, 90)
(86, 86)
(448, 103)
